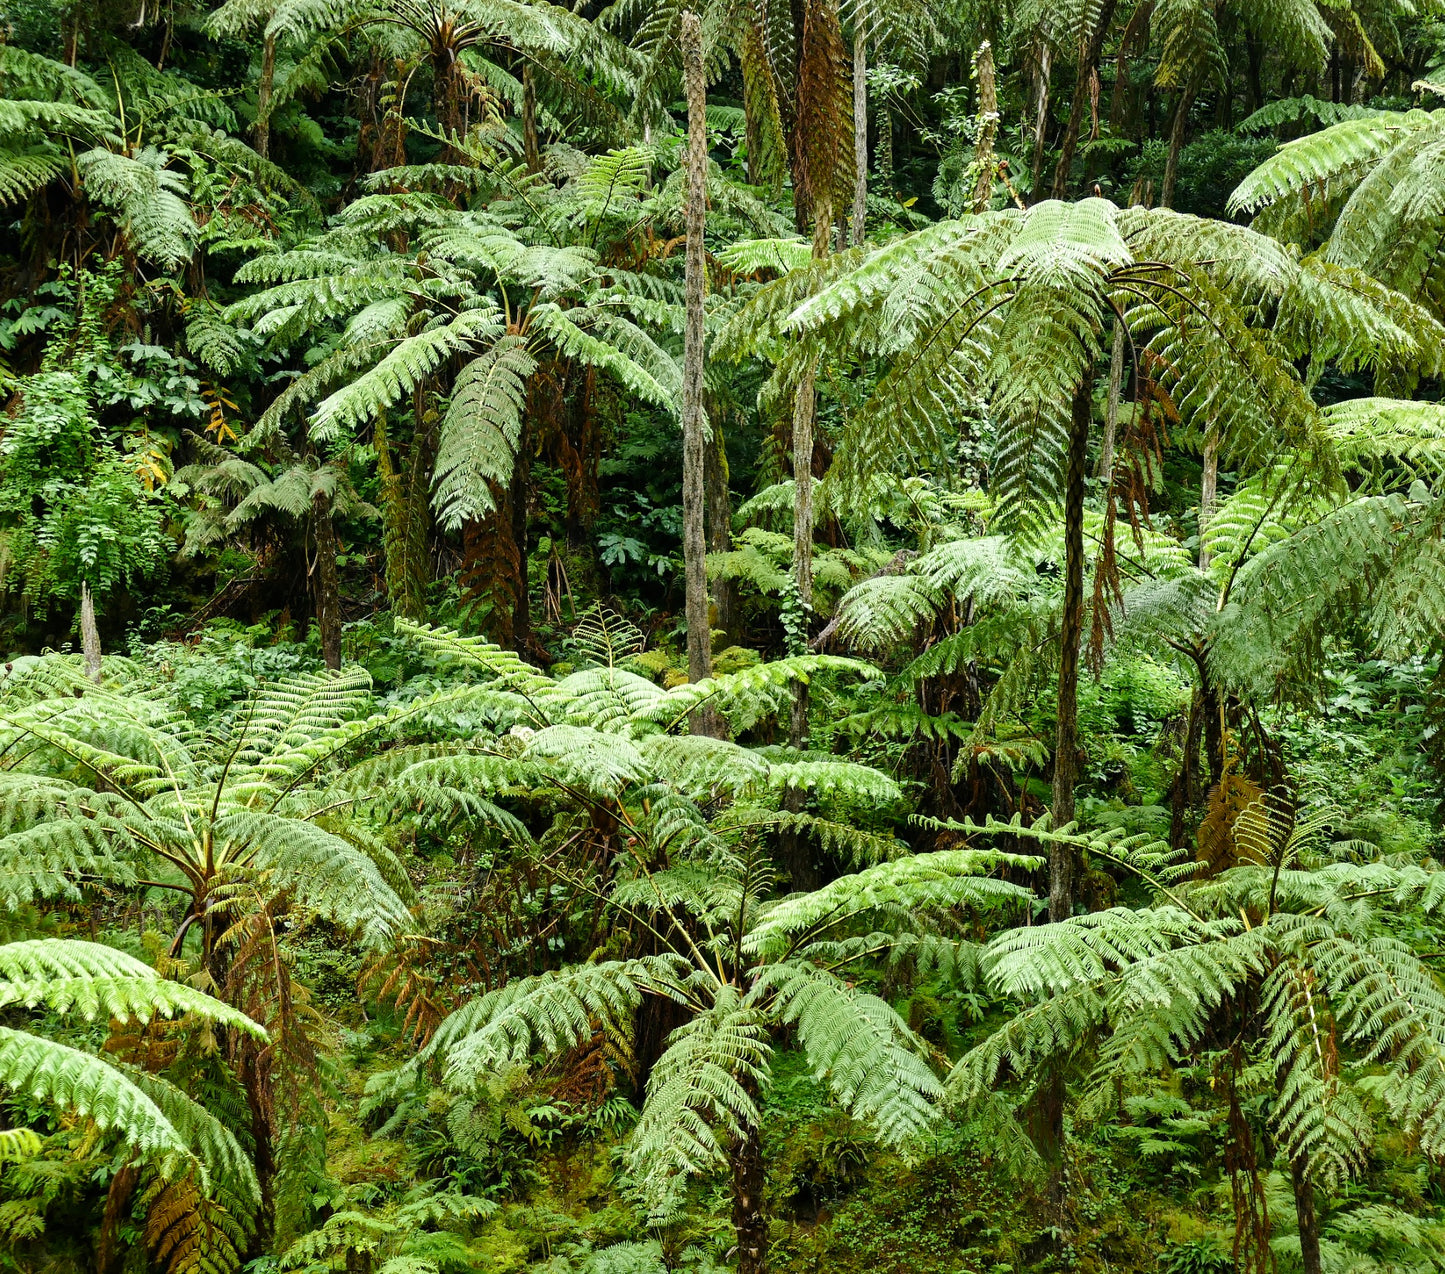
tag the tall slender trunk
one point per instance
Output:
(860, 131)
(720, 533)
(531, 147)
(1309, 1225)
(265, 86)
(1090, 51)
(805, 406)
(1066, 740)
(1111, 408)
(749, 1222)
(1208, 489)
(694, 423)
(1041, 115)
(1176, 143)
(987, 129)
(328, 583)
(89, 634)
(521, 500)
(405, 511)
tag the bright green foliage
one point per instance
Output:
(75, 508)
(1303, 923)
(1007, 311)
(161, 1127)
(1368, 189)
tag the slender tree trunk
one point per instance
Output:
(1111, 408)
(1066, 742)
(1176, 144)
(404, 515)
(1211, 701)
(264, 89)
(749, 1222)
(1048, 1114)
(720, 533)
(89, 634)
(694, 423)
(1041, 116)
(1089, 53)
(1309, 1225)
(531, 147)
(860, 131)
(1208, 486)
(805, 406)
(328, 582)
(521, 500)
(988, 129)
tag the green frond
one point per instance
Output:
(901, 891)
(411, 361)
(700, 1096)
(45, 1071)
(858, 1046)
(87, 978)
(480, 432)
(549, 1014)
(320, 871)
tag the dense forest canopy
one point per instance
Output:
(764, 637)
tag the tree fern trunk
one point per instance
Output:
(404, 514)
(1208, 488)
(988, 129)
(694, 425)
(749, 1223)
(860, 132)
(720, 534)
(264, 88)
(1309, 1225)
(521, 504)
(89, 634)
(1041, 114)
(327, 584)
(885, 144)
(1066, 742)
(1176, 144)
(1111, 409)
(1084, 88)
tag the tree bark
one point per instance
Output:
(1089, 54)
(988, 129)
(749, 1223)
(521, 500)
(694, 423)
(531, 146)
(1066, 741)
(89, 634)
(1309, 1225)
(328, 582)
(1111, 408)
(265, 87)
(1041, 115)
(720, 534)
(1176, 144)
(860, 131)
(1208, 489)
